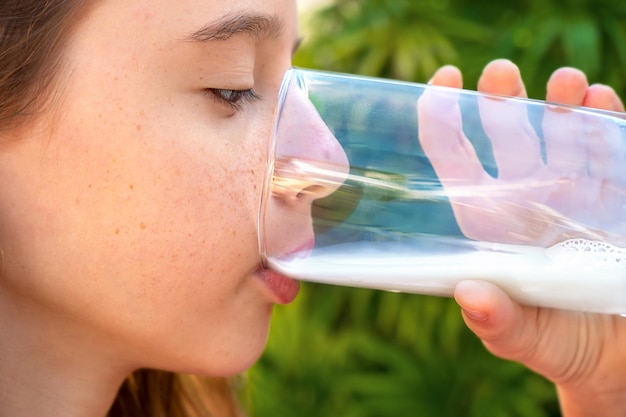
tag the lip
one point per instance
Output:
(284, 289)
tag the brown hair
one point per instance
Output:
(164, 394)
(32, 35)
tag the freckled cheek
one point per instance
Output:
(240, 189)
(212, 205)
(208, 181)
(241, 194)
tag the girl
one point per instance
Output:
(133, 143)
(133, 147)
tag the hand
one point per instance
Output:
(584, 354)
(530, 201)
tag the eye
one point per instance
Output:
(233, 98)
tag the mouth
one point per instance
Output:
(283, 288)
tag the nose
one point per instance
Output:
(310, 162)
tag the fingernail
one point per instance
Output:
(475, 315)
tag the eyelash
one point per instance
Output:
(235, 99)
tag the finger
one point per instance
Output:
(563, 129)
(567, 86)
(441, 135)
(603, 97)
(607, 160)
(440, 131)
(448, 76)
(502, 77)
(451, 154)
(516, 146)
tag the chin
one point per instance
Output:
(225, 366)
(229, 360)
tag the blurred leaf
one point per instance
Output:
(581, 41)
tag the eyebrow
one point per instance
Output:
(251, 24)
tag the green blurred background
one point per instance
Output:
(362, 353)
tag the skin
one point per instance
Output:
(128, 212)
(583, 354)
(128, 225)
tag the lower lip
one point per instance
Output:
(284, 289)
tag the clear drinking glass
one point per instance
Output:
(408, 187)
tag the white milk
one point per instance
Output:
(574, 275)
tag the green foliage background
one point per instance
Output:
(410, 39)
(361, 353)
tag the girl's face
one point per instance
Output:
(129, 209)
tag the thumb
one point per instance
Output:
(560, 345)
(506, 328)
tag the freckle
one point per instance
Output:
(139, 127)
(117, 231)
(142, 226)
(132, 186)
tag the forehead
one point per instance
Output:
(186, 19)
(137, 35)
